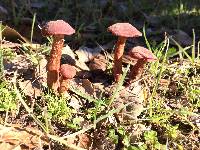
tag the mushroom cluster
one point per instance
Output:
(57, 29)
(141, 54)
(58, 76)
(123, 31)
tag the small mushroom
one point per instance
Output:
(57, 29)
(123, 31)
(142, 55)
(67, 73)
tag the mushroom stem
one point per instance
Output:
(64, 85)
(119, 50)
(53, 65)
(136, 70)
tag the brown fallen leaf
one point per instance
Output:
(18, 136)
(84, 141)
(81, 65)
(29, 88)
(134, 96)
(100, 140)
(136, 130)
(74, 103)
(83, 85)
(8, 146)
(68, 57)
(8, 44)
(26, 73)
(85, 54)
(87, 85)
(98, 63)
(81, 141)
(67, 50)
(20, 63)
(12, 35)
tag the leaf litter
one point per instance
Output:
(135, 95)
(93, 85)
(19, 138)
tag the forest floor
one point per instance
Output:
(160, 110)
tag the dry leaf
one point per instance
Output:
(8, 146)
(12, 35)
(164, 82)
(8, 44)
(83, 85)
(134, 95)
(17, 136)
(22, 66)
(87, 85)
(125, 59)
(135, 131)
(20, 63)
(85, 54)
(74, 103)
(29, 88)
(84, 141)
(81, 65)
(98, 63)
(68, 57)
(67, 50)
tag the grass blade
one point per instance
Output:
(32, 27)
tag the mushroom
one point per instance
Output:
(123, 31)
(143, 56)
(67, 73)
(57, 29)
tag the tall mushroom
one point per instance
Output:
(123, 31)
(143, 56)
(67, 73)
(57, 29)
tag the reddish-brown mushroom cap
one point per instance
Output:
(124, 30)
(58, 27)
(67, 71)
(142, 55)
(140, 52)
